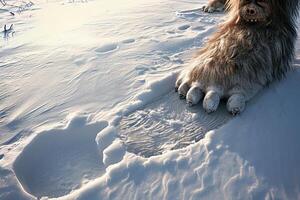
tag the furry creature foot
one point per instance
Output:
(211, 101)
(208, 9)
(194, 95)
(236, 104)
(211, 9)
(214, 5)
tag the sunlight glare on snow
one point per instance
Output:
(55, 23)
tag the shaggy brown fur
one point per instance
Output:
(251, 49)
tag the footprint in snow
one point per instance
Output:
(108, 48)
(198, 28)
(167, 124)
(58, 161)
(128, 41)
(189, 14)
(184, 27)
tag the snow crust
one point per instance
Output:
(66, 89)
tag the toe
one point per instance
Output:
(211, 101)
(194, 95)
(236, 104)
(183, 89)
(177, 84)
(204, 8)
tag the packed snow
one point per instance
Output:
(88, 109)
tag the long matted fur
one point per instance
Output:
(254, 47)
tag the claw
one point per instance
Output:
(189, 103)
(236, 104)
(209, 111)
(235, 112)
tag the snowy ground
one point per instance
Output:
(87, 110)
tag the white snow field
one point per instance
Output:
(88, 109)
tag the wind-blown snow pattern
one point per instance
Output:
(88, 109)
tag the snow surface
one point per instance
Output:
(81, 79)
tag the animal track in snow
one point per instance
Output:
(107, 48)
(128, 41)
(58, 161)
(198, 28)
(171, 32)
(111, 47)
(167, 124)
(189, 14)
(184, 27)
